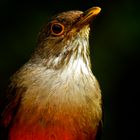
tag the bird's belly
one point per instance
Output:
(65, 127)
(52, 132)
(60, 119)
(19, 133)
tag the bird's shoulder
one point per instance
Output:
(9, 104)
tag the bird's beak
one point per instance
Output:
(88, 15)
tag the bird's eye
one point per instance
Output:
(57, 29)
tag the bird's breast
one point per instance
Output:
(57, 107)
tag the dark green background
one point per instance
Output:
(114, 52)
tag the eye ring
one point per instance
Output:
(57, 29)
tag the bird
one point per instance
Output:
(55, 95)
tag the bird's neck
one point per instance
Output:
(74, 55)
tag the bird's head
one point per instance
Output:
(66, 37)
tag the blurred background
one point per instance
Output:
(115, 52)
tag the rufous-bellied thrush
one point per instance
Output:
(55, 95)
